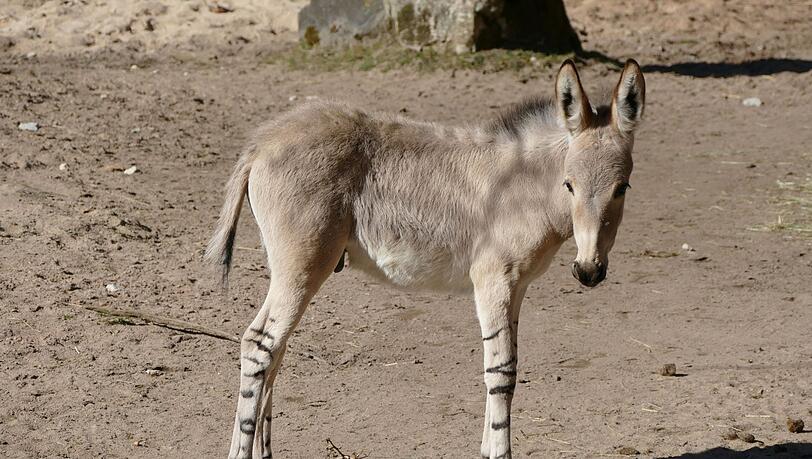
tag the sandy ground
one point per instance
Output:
(379, 371)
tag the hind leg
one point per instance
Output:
(299, 267)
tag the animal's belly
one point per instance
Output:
(411, 267)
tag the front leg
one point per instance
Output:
(497, 301)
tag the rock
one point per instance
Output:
(153, 371)
(31, 55)
(752, 102)
(337, 22)
(220, 7)
(130, 170)
(669, 369)
(459, 25)
(6, 42)
(746, 437)
(63, 167)
(30, 127)
(134, 67)
(730, 434)
(687, 247)
(795, 425)
(86, 40)
(627, 451)
(112, 288)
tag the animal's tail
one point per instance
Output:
(221, 244)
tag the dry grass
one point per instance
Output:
(794, 205)
(385, 56)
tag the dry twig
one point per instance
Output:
(173, 324)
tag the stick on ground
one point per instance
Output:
(166, 322)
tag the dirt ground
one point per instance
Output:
(386, 373)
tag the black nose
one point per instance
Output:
(589, 274)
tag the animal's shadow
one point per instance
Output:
(782, 451)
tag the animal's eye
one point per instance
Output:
(569, 186)
(621, 189)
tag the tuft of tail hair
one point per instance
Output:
(221, 245)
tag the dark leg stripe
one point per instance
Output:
(260, 346)
(247, 426)
(500, 425)
(494, 335)
(253, 360)
(255, 375)
(264, 333)
(247, 393)
(505, 389)
(505, 368)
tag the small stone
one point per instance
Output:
(31, 55)
(63, 167)
(112, 288)
(134, 67)
(730, 434)
(6, 42)
(795, 425)
(87, 40)
(752, 102)
(627, 451)
(130, 170)
(746, 437)
(153, 371)
(687, 247)
(220, 7)
(292, 98)
(30, 127)
(669, 369)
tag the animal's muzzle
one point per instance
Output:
(589, 273)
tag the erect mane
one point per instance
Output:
(539, 110)
(510, 120)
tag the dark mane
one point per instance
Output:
(510, 120)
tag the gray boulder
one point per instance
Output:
(461, 25)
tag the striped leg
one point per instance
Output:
(263, 346)
(498, 310)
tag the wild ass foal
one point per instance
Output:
(480, 209)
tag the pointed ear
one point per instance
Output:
(574, 111)
(629, 98)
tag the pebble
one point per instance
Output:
(669, 369)
(133, 67)
(752, 102)
(627, 451)
(687, 247)
(31, 55)
(795, 425)
(153, 372)
(746, 437)
(112, 288)
(292, 98)
(63, 167)
(30, 127)
(130, 170)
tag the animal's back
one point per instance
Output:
(407, 186)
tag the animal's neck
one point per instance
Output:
(529, 163)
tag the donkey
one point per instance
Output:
(479, 209)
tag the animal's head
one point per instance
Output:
(598, 164)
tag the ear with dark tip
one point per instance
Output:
(629, 98)
(574, 111)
